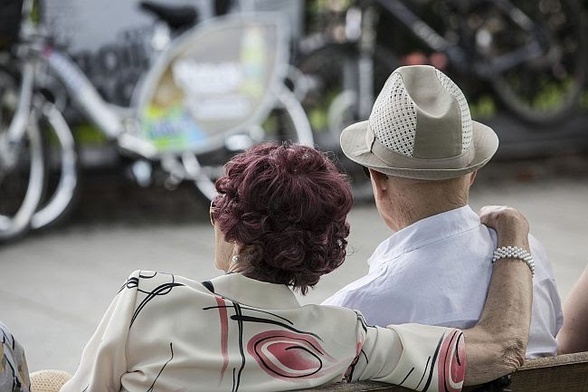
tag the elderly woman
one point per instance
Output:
(280, 224)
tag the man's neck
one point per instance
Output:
(403, 202)
(407, 215)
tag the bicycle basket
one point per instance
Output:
(10, 20)
(215, 80)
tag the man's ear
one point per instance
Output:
(380, 180)
(473, 177)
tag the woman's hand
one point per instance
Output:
(512, 227)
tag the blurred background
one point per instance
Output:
(111, 41)
(345, 50)
(521, 65)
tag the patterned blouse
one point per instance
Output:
(164, 332)
(14, 373)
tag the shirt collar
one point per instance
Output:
(425, 231)
(253, 292)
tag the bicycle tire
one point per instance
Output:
(61, 166)
(286, 121)
(546, 90)
(331, 107)
(21, 184)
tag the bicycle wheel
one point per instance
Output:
(332, 99)
(61, 165)
(287, 121)
(545, 89)
(21, 167)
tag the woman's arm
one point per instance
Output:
(496, 345)
(572, 337)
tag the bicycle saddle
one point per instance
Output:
(177, 17)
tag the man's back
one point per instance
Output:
(436, 271)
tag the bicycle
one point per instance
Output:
(530, 54)
(194, 107)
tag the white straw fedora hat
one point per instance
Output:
(420, 127)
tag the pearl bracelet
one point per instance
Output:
(514, 252)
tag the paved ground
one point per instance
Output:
(54, 286)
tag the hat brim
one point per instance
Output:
(353, 143)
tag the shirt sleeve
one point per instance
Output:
(103, 360)
(418, 357)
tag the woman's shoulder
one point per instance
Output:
(336, 313)
(159, 282)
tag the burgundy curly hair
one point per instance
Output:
(288, 205)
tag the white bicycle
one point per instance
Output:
(215, 89)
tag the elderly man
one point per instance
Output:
(423, 151)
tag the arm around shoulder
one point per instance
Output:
(496, 345)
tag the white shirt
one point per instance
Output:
(437, 271)
(164, 332)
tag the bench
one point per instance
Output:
(563, 373)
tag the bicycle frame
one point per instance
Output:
(361, 20)
(124, 124)
(194, 107)
(17, 128)
(484, 67)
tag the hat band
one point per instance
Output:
(397, 160)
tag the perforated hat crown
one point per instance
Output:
(420, 127)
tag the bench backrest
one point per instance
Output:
(563, 373)
(567, 372)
